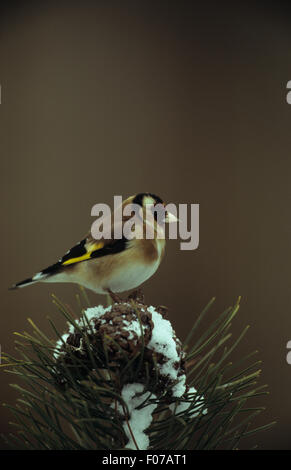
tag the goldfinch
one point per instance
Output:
(111, 265)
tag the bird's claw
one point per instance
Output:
(116, 299)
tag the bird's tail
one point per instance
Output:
(31, 280)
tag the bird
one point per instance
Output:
(108, 265)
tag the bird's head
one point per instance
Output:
(152, 211)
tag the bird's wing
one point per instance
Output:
(86, 249)
(90, 248)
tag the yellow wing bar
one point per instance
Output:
(93, 247)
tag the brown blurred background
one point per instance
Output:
(182, 99)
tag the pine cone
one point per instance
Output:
(123, 332)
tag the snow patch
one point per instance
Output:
(163, 342)
(138, 420)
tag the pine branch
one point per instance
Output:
(91, 387)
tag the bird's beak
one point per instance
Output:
(170, 218)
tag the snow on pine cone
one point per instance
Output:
(123, 332)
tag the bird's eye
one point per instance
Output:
(158, 211)
(154, 212)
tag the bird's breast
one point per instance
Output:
(142, 261)
(131, 277)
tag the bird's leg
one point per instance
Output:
(116, 299)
